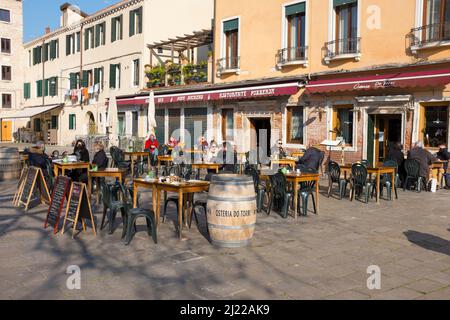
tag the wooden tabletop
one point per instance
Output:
(136, 153)
(72, 164)
(107, 171)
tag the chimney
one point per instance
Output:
(47, 30)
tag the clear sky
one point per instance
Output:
(38, 14)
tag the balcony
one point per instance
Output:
(430, 36)
(176, 74)
(346, 48)
(292, 56)
(228, 65)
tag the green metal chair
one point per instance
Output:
(110, 206)
(334, 176)
(412, 168)
(360, 182)
(132, 214)
(386, 179)
(280, 196)
(259, 188)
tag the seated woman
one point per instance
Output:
(100, 158)
(152, 145)
(82, 154)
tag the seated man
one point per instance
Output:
(424, 157)
(278, 150)
(37, 156)
(444, 155)
(311, 160)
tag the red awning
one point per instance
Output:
(286, 89)
(432, 78)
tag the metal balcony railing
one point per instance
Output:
(342, 47)
(430, 33)
(292, 54)
(230, 63)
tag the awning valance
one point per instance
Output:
(433, 78)
(27, 112)
(285, 89)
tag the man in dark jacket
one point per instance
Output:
(443, 155)
(311, 159)
(424, 157)
(37, 156)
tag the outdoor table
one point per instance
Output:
(297, 154)
(106, 173)
(180, 188)
(437, 172)
(378, 171)
(137, 154)
(282, 162)
(295, 179)
(206, 165)
(168, 159)
(61, 166)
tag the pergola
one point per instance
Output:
(188, 43)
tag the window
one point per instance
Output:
(5, 15)
(296, 27)
(27, 91)
(114, 76)
(434, 125)
(343, 124)
(135, 21)
(53, 86)
(29, 58)
(174, 123)
(231, 30)
(136, 72)
(100, 34)
(88, 79)
(39, 88)
(37, 125)
(436, 20)
(294, 125)
(54, 124)
(54, 48)
(116, 28)
(37, 55)
(5, 45)
(46, 52)
(99, 77)
(6, 73)
(6, 100)
(346, 26)
(74, 80)
(227, 124)
(195, 123)
(72, 122)
(121, 124)
(89, 40)
(46, 87)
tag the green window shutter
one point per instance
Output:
(96, 75)
(231, 25)
(295, 9)
(39, 54)
(39, 88)
(53, 86)
(97, 35)
(139, 13)
(26, 90)
(73, 81)
(112, 76)
(78, 40)
(72, 122)
(45, 52)
(52, 49)
(121, 27)
(132, 22)
(113, 30)
(337, 3)
(86, 39)
(104, 34)
(67, 45)
(84, 81)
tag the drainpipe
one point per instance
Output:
(213, 71)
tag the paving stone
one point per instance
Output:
(425, 286)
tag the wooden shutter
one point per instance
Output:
(73, 81)
(26, 90)
(39, 88)
(97, 35)
(86, 39)
(139, 14)
(72, 123)
(112, 76)
(121, 27)
(231, 25)
(85, 80)
(132, 22)
(96, 75)
(113, 30)
(295, 9)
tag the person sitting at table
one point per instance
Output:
(152, 145)
(396, 154)
(227, 157)
(310, 160)
(212, 153)
(80, 151)
(100, 158)
(278, 150)
(444, 155)
(37, 156)
(172, 142)
(424, 157)
(202, 144)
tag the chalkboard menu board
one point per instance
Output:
(20, 186)
(34, 177)
(57, 202)
(79, 207)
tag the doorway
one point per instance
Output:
(260, 136)
(6, 131)
(388, 131)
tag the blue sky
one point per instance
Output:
(39, 14)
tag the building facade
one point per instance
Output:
(71, 73)
(11, 66)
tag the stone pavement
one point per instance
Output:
(316, 257)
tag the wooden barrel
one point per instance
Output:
(9, 163)
(231, 210)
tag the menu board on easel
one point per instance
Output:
(59, 194)
(20, 186)
(78, 207)
(34, 178)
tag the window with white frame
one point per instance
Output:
(294, 125)
(436, 20)
(5, 15)
(346, 26)
(295, 48)
(5, 45)
(230, 60)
